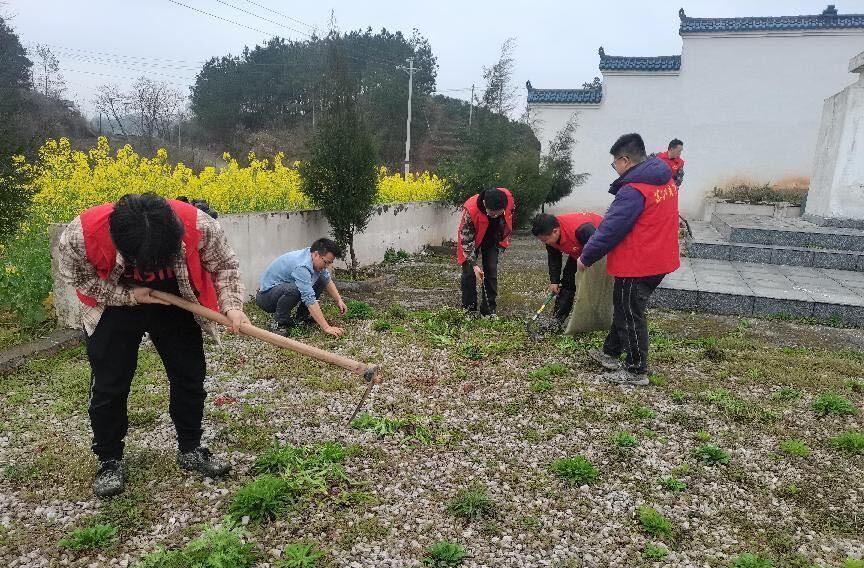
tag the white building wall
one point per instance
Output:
(746, 105)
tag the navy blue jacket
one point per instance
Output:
(625, 209)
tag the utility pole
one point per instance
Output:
(408, 130)
(471, 107)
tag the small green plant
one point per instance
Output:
(220, 547)
(677, 396)
(299, 555)
(833, 403)
(382, 325)
(712, 351)
(851, 442)
(654, 552)
(711, 454)
(853, 563)
(672, 484)
(623, 440)
(855, 385)
(653, 523)
(549, 371)
(540, 385)
(795, 448)
(392, 256)
(263, 499)
(792, 490)
(445, 555)
(703, 436)
(85, 538)
(642, 412)
(576, 470)
(397, 312)
(750, 561)
(359, 310)
(657, 380)
(787, 394)
(471, 504)
(414, 428)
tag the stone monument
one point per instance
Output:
(836, 197)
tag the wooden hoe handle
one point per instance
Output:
(369, 372)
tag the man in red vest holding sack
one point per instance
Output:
(114, 256)
(672, 158)
(639, 237)
(564, 234)
(487, 221)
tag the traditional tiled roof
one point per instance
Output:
(619, 63)
(564, 96)
(828, 19)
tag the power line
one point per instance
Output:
(287, 17)
(221, 18)
(254, 15)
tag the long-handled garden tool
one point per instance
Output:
(533, 325)
(369, 372)
(484, 304)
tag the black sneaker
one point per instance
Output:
(109, 480)
(203, 461)
(278, 329)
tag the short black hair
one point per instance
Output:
(543, 225)
(675, 143)
(183, 198)
(630, 145)
(145, 231)
(324, 245)
(494, 199)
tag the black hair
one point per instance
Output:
(494, 199)
(675, 143)
(323, 246)
(543, 225)
(145, 231)
(183, 198)
(630, 145)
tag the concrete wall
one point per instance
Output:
(258, 238)
(746, 105)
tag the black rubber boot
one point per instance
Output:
(563, 304)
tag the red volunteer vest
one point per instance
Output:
(102, 253)
(481, 223)
(674, 163)
(569, 223)
(651, 247)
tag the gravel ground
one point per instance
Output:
(489, 428)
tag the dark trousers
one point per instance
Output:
(629, 333)
(280, 300)
(567, 291)
(113, 354)
(489, 256)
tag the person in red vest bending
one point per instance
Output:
(487, 221)
(639, 237)
(115, 256)
(673, 159)
(564, 234)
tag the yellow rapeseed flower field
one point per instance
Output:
(66, 181)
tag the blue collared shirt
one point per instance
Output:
(296, 268)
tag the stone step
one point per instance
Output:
(789, 232)
(751, 289)
(707, 242)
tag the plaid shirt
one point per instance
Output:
(217, 258)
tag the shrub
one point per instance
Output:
(851, 442)
(575, 471)
(750, 561)
(263, 499)
(299, 555)
(445, 555)
(471, 504)
(96, 536)
(833, 403)
(221, 547)
(653, 523)
(795, 448)
(391, 256)
(711, 454)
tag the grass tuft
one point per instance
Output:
(445, 555)
(711, 454)
(575, 471)
(653, 523)
(833, 403)
(88, 538)
(471, 504)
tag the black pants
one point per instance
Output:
(113, 354)
(567, 291)
(280, 300)
(629, 331)
(489, 256)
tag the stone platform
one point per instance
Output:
(754, 265)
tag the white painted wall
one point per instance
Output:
(746, 105)
(258, 238)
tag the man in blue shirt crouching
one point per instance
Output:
(299, 277)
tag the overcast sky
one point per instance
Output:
(115, 41)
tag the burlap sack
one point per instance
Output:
(592, 309)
